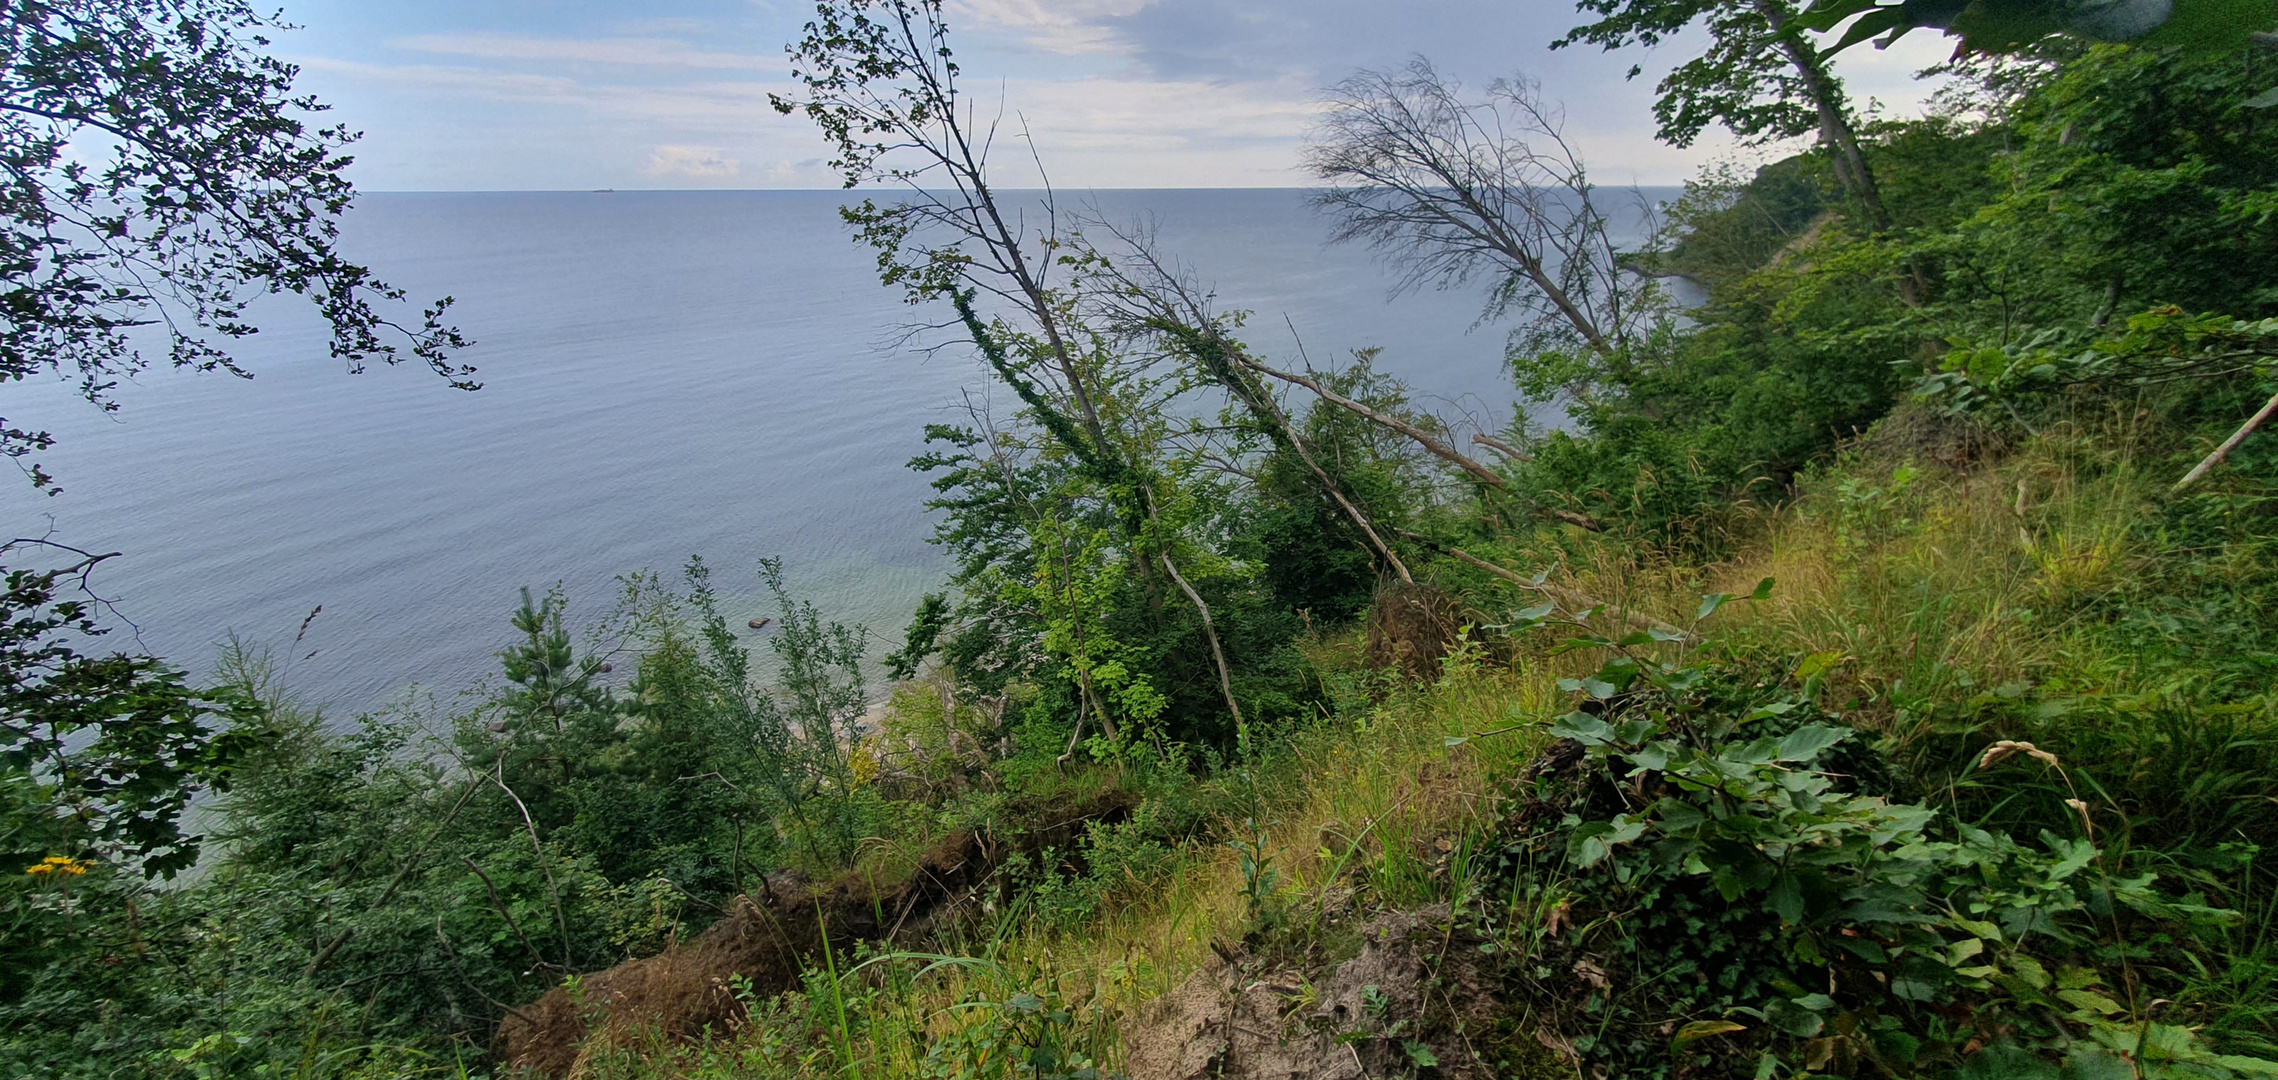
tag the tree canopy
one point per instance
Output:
(157, 173)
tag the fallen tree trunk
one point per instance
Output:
(769, 938)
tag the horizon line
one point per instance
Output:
(831, 191)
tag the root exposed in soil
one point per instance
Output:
(1410, 627)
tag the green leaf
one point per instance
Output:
(1763, 590)
(1806, 743)
(1828, 14)
(2073, 977)
(1786, 899)
(2090, 1062)
(2031, 971)
(2265, 100)
(1793, 1018)
(1866, 949)
(2234, 1062)
(1583, 727)
(1874, 22)
(1815, 664)
(1420, 1055)
(1709, 604)
(2090, 1001)
(2005, 1061)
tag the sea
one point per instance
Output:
(665, 375)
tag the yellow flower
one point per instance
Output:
(57, 864)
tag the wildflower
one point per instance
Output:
(57, 864)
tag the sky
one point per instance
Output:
(467, 95)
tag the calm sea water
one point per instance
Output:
(667, 374)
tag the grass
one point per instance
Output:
(1949, 606)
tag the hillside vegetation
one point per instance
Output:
(1876, 675)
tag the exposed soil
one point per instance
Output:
(770, 937)
(1416, 993)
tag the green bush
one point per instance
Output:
(1744, 903)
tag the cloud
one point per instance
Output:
(712, 104)
(693, 163)
(1114, 93)
(655, 52)
(1066, 27)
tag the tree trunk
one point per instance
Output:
(1834, 126)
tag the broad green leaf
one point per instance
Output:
(1786, 899)
(1805, 743)
(1763, 590)
(1582, 726)
(2031, 971)
(1709, 604)
(2234, 1062)
(1793, 1018)
(1985, 930)
(2090, 1001)
(2005, 1061)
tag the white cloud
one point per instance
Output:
(693, 163)
(1114, 93)
(711, 105)
(628, 51)
(1066, 27)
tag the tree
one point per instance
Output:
(878, 78)
(99, 754)
(1761, 78)
(157, 173)
(1450, 190)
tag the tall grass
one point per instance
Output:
(1950, 607)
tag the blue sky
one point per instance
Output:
(571, 94)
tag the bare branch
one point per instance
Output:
(1449, 191)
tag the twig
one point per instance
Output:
(1210, 630)
(537, 958)
(538, 848)
(2230, 444)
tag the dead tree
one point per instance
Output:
(1451, 191)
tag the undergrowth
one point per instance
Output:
(2032, 833)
